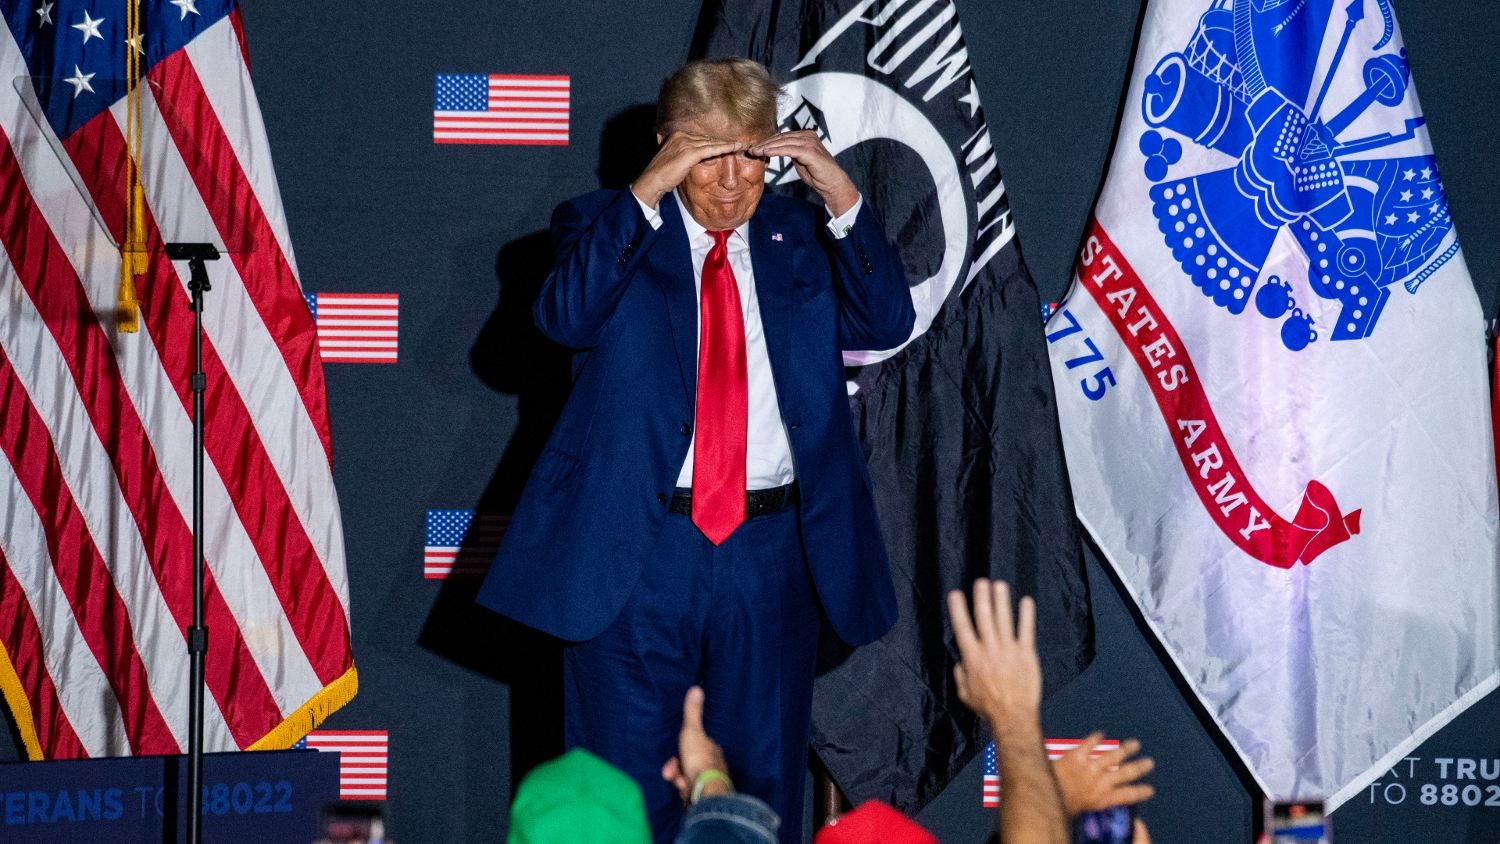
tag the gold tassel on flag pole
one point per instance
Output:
(134, 259)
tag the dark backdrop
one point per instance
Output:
(346, 90)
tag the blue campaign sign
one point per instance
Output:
(250, 797)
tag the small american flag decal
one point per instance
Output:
(475, 108)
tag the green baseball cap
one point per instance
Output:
(580, 799)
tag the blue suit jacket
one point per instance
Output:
(622, 294)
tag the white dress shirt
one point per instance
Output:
(768, 455)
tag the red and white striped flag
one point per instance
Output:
(356, 327)
(363, 758)
(96, 546)
(461, 542)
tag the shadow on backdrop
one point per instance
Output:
(511, 357)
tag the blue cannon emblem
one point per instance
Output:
(1244, 87)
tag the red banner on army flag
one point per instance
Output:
(96, 433)
(1228, 496)
(1272, 386)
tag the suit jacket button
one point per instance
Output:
(685, 429)
(661, 498)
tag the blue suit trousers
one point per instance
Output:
(741, 620)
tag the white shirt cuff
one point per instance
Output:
(840, 225)
(653, 215)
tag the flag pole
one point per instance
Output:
(195, 254)
(134, 260)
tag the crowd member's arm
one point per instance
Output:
(1000, 678)
(1090, 783)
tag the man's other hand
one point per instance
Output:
(998, 674)
(1091, 783)
(815, 166)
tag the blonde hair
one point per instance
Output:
(739, 90)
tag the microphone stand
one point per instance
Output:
(195, 254)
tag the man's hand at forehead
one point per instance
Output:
(678, 153)
(682, 150)
(815, 166)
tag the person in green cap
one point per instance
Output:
(578, 797)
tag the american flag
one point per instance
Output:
(356, 327)
(95, 425)
(472, 108)
(460, 542)
(990, 790)
(363, 758)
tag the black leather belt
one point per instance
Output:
(758, 502)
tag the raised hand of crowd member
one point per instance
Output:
(698, 770)
(1000, 678)
(716, 814)
(1090, 782)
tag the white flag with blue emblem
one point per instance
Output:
(1271, 376)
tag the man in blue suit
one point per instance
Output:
(703, 501)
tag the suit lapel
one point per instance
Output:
(672, 262)
(772, 260)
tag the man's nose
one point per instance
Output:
(729, 171)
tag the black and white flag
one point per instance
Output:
(960, 423)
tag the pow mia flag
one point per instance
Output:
(960, 424)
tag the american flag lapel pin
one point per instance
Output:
(776, 236)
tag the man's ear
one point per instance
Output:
(658, 138)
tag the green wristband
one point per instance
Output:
(703, 779)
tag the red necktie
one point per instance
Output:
(723, 399)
